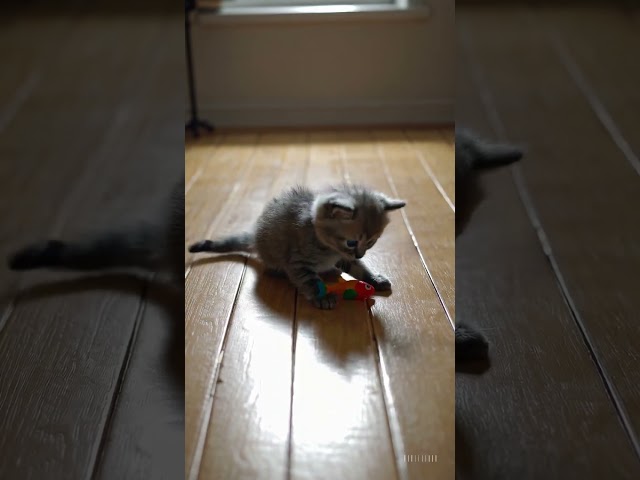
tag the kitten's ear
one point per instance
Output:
(337, 207)
(391, 203)
(341, 210)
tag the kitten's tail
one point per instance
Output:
(490, 155)
(135, 247)
(470, 344)
(233, 243)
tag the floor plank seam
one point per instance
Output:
(23, 93)
(545, 244)
(86, 171)
(392, 421)
(121, 116)
(394, 431)
(343, 165)
(413, 238)
(99, 451)
(231, 199)
(427, 168)
(196, 175)
(294, 334)
(477, 78)
(600, 111)
(7, 312)
(12, 108)
(194, 471)
(294, 338)
(55, 227)
(518, 178)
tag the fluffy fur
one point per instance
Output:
(157, 244)
(473, 155)
(303, 233)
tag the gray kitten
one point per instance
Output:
(474, 155)
(157, 244)
(302, 234)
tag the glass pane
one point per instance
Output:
(298, 3)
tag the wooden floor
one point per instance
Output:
(90, 385)
(549, 264)
(278, 389)
(91, 369)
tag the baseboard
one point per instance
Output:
(426, 112)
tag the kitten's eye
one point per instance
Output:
(352, 243)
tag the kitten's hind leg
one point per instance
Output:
(307, 281)
(275, 272)
(360, 271)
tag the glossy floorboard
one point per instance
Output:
(548, 264)
(90, 138)
(278, 389)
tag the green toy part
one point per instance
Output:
(349, 294)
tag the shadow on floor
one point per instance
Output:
(167, 296)
(330, 338)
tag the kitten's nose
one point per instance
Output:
(359, 255)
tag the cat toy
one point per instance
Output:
(347, 289)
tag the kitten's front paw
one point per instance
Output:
(380, 283)
(328, 302)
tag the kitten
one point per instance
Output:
(153, 245)
(473, 155)
(302, 234)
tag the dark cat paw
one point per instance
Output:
(471, 345)
(380, 283)
(328, 302)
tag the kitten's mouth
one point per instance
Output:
(347, 255)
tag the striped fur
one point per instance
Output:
(153, 245)
(243, 242)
